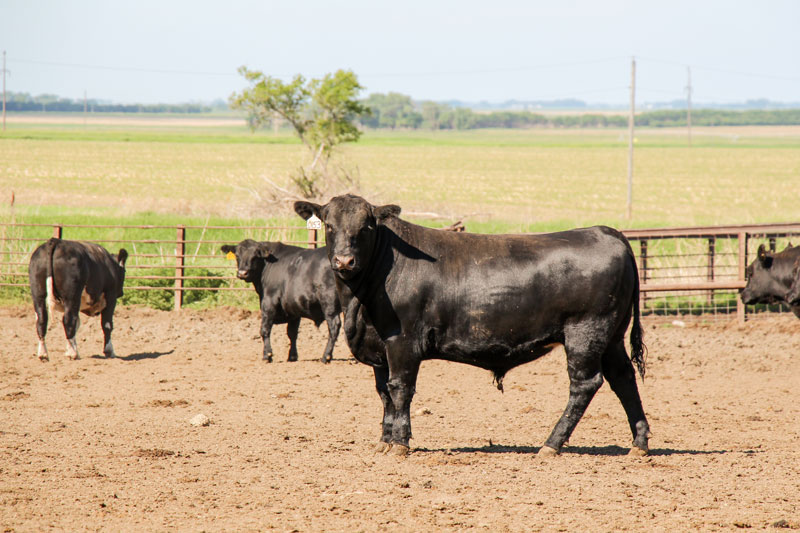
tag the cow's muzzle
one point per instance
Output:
(242, 274)
(344, 263)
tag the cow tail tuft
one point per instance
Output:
(50, 248)
(638, 348)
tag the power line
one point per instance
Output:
(491, 70)
(724, 71)
(122, 69)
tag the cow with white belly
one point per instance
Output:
(75, 277)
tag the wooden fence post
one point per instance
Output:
(312, 238)
(58, 231)
(740, 309)
(180, 248)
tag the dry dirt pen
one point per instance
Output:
(106, 444)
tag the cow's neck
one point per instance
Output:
(356, 295)
(258, 282)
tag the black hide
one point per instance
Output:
(292, 283)
(492, 301)
(84, 278)
(772, 278)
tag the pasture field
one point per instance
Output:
(106, 444)
(508, 180)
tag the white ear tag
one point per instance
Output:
(314, 222)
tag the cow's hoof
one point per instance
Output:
(44, 358)
(267, 358)
(72, 357)
(547, 451)
(292, 358)
(400, 450)
(638, 452)
(327, 359)
(382, 447)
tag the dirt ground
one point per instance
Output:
(106, 444)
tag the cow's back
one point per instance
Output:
(468, 296)
(300, 282)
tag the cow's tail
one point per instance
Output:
(638, 348)
(52, 295)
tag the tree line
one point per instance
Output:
(52, 102)
(398, 111)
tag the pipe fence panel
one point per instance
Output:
(684, 272)
(167, 267)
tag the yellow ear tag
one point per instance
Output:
(231, 256)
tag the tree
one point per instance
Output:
(322, 113)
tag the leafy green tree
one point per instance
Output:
(322, 113)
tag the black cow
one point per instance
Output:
(493, 302)
(770, 277)
(75, 277)
(292, 283)
(793, 296)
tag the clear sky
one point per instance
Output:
(495, 50)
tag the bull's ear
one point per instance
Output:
(228, 249)
(306, 209)
(763, 257)
(122, 256)
(385, 211)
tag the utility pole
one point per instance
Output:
(4, 90)
(630, 137)
(689, 103)
(84, 107)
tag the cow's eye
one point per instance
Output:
(329, 227)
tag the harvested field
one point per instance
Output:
(99, 444)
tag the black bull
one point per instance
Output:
(494, 302)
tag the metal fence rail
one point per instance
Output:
(174, 254)
(700, 270)
(683, 271)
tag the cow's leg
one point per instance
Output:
(72, 322)
(40, 307)
(618, 370)
(266, 329)
(402, 385)
(334, 324)
(292, 327)
(585, 378)
(381, 384)
(107, 320)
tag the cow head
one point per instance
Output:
(250, 257)
(793, 296)
(351, 228)
(121, 257)
(763, 284)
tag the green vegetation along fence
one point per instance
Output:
(700, 270)
(684, 271)
(167, 267)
